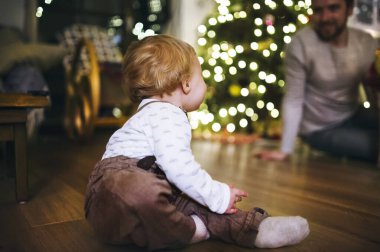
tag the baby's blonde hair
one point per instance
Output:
(157, 65)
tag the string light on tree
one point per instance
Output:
(241, 48)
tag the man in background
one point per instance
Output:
(324, 64)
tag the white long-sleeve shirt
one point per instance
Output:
(162, 130)
(322, 82)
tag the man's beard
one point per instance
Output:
(329, 37)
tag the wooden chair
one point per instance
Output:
(91, 84)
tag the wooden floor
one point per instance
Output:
(340, 198)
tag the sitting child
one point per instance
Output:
(148, 189)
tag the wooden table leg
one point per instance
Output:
(13, 120)
(21, 162)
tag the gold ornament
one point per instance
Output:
(234, 90)
(265, 44)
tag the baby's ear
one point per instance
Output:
(186, 86)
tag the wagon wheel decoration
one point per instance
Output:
(83, 93)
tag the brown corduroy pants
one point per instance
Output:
(130, 201)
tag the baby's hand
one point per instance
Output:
(275, 155)
(235, 196)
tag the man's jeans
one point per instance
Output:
(357, 137)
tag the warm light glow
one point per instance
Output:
(261, 89)
(262, 75)
(274, 113)
(232, 70)
(243, 123)
(229, 61)
(271, 29)
(212, 62)
(273, 47)
(202, 41)
(212, 21)
(253, 66)
(116, 112)
(258, 21)
(216, 127)
(255, 117)
(223, 10)
(260, 104)
(215, 54)
(239, 49)
(244, 92)
(39, 12)
(258, 32)
(206, 73)
(194, 124)
(256, 6)
(302, 18)
(241, 107)
(224, 46)
(287, 39)
(254, 46)
(218, 77)
(232, 111)
(211, 34)
(232, 52)
(224, 56)
(292, 27)
(216, 47)
(266, 53)
(202, 29)
(222, 19)
(272, 5)
(288, 3)
(208, 118)
(242, 64)
(223, 112)
(270, 106)
(229, 17)
(252, 85)
(230, 127)
(249, 112)
(243, 14)
(271, 78)
(218, 70)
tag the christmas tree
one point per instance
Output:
(241, 49)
